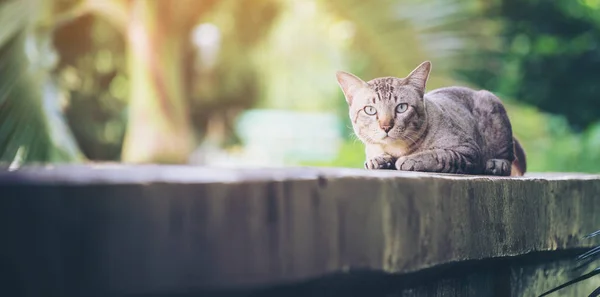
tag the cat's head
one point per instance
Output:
(387, 110)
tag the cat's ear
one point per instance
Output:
(350, 84)
(418, 77)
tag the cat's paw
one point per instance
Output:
(423, 163)
(380, 162)
(407, 164)
(497, 167)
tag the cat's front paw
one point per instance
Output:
(424, 163)
(380, 162)
(498, 167)
(407, 164)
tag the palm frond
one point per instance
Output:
(591, 253)
(595, 293)
(398, 35)
(13, 17)
(573, 281)
(595, 233)
(588, 257)
(32, 128)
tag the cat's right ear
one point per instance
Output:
(350, 84)
(418, 77)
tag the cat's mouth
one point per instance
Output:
(384, 138)
(387, 138)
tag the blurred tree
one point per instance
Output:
(93, 68)
(225, 84)
(159, 128)
(547, 56)
(392, 37)
(92, 71)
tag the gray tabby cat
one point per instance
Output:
(449, 130)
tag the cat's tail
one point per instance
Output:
(519, 165)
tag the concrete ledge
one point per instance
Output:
(113, 229)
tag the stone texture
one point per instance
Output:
(114, 229)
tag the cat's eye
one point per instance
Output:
(370, 110)
(402, 107)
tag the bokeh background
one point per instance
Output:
(252, 82)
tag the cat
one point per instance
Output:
(447, 130)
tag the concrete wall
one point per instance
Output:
(115, 230)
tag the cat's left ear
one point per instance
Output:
(350, 84)
(418, 77)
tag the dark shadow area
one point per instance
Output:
(359, 282)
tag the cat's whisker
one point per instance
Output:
(407, 137)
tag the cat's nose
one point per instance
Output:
(386, 124)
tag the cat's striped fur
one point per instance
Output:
(450, 130)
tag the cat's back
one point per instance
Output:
(458, 100)
(463, 97)
(458, 95)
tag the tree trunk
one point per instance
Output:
(159, 129)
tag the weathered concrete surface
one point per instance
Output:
(111, 229)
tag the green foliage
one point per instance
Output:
(283, 54)
(221, 91)
(585, 259)
(551, 144)
(32, 128)
(393, 37)
(92, 72)
(547, 56)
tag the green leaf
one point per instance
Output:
(32, 127)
